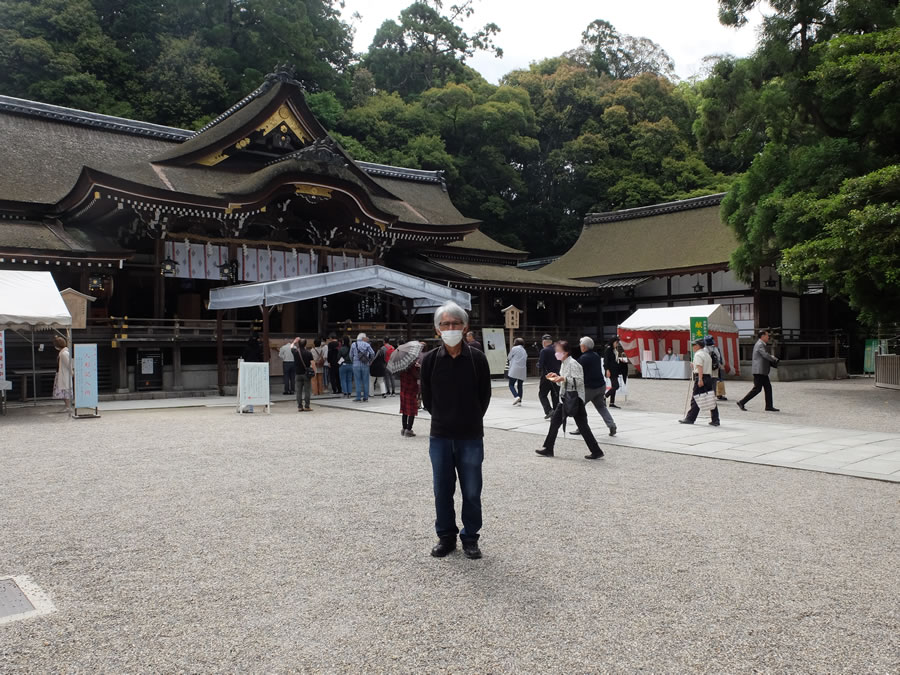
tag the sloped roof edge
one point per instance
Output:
(655, 209)
(97, 120)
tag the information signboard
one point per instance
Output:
(86, 394)
(699, 327)
(495, 349)
(253, 386)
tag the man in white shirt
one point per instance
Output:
(703, 382)
(288, 368)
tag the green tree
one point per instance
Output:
(623, 56)
(817, 109)
(426, 48)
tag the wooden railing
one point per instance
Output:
(128, 329)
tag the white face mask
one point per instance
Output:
(451, 338)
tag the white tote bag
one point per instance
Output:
(706, 401)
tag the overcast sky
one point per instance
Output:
(531, 30)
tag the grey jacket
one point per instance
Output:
(762, 359)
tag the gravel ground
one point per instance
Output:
(845, 404)
(198, 541)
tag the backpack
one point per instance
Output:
(365, 357)
(714, 356)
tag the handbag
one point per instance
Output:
(720, 388)
(705, 401)
(310, 373)
(571, 403)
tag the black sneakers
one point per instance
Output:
(612, 430)
(544, 452)
(444, 547)
(471, 550)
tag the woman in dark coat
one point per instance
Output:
(611, 368)
(409, 397)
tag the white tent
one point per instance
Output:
(31, 300)
(424, 294)
(679, 318)
(646, 334)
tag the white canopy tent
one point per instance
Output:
(31, 301)
(424, 294)
(679, 318)
(646, 334)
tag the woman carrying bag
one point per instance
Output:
(571, 404)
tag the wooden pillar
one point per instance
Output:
(669, 301)
(485, 308)
(756, 299)
(265, 332)
(159, 285)
(177, 383)
(709, 291)
(409, 316)
(220, 352)
(123, 369)
(561, 304)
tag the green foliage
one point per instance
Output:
(857, 248)
(623, 56)
(176, 63)
(814, 117)
(426, 48)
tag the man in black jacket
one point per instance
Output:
(547, 363)
(456, 391)
(594, 384)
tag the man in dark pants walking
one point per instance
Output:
(703, 382)
(762, 362)
(547, 363)
(594, 385)
(456, 390)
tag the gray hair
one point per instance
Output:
(455, 312)
(587, 342)
(361, 336)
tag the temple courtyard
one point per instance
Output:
(191, 539)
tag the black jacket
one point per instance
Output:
(611, 361)
(457, 392)
(593, 370)
(547, 362)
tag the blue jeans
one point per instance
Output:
(515, 386)
(450, 458)
(361, 379)
(345, 370)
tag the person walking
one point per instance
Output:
(346, 368)
(517, 362)
(378, 369)
(547, 363)
(703, 383)
(594, 383)
(472, 342)
(456, 391)
(623, 363)
(306, 372)
(409, 396)
(333, 357)
(388, 375)
(610, 363)
(288, 370)
(63, 384)
(718, 367)
(570, 379)
(762, 362)
(361, 355)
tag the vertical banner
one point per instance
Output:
(253, 386)
(494, 341)
(699, 328)
(86, 377)
(2, 355)
(290, 264)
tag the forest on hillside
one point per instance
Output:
(804, 134)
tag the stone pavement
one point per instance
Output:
(864, 454)
(742, 437)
